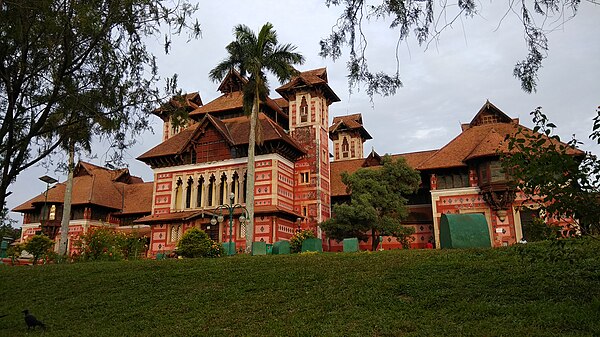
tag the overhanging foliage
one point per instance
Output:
(74, 69)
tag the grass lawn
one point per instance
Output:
(531, 290)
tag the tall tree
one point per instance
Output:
(252, 56)
(77, 137)
(378, 202)
(67, 61)
(559, 180)
(426, 21)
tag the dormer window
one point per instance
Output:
(491, 172)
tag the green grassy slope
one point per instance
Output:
(490, 292)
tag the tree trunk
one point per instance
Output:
(374, 240)
(250, 176)
(66, 216)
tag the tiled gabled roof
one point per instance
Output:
(235, 130)
(349, 122)
(458, 150)
(314, 78)
(309, 77)
(230, 101)
(239, 129)
(483, 137)
(173, 145)
(138, 198)
(95, 185)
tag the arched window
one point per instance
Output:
(345, 147)
(188, 192)
(199, 192)
(178, 193)
(175, 233)
(245, 190)
(303, 110)
(235, 180)
(211, 187)
(223, 190)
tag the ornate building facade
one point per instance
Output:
(202, 163)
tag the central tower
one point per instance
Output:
(309, 97)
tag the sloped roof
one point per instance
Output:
(239, 131)
(93, 185)
(457, 151)
(314, 78)
(168, 217)
(338, 188)
(173, 145)
(230, 101)
(138, 198)
(235, 130)
(281, 102)
(349, 122)
(490, 110)
(491, 144)
(309, 77)
(484, 137)
(233, 81)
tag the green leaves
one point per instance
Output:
(38, 246)
(559, 179)
(74, 70)
(417, 17)
(196, 243)
(378, 202)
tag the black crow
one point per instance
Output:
(31, 321)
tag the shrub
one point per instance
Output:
(14, 252)
(216, 249)
(539, 230)
(134, 246)
(298, 238)
(196, 243)
(39, 246)
(404, 235)
(100, 243)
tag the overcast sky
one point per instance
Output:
(444, 85)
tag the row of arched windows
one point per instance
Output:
(198, 192)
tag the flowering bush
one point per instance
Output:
(105, 244)
(100, 244)
(216, 249)
(298, 238)
(196, 243)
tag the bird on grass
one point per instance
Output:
(31, 321)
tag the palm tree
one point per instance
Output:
(251, 56)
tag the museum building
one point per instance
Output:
(201, 163)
